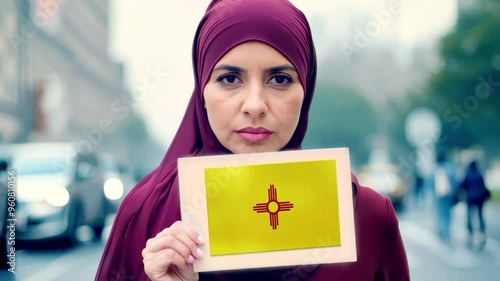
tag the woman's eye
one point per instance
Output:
(228, 79)
(281, 79)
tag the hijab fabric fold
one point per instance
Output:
(154, 204)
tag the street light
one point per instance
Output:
(422, 130)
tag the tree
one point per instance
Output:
(466, 90)
(341, 117)
(144, 152)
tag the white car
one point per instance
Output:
(118, 180)
(386, 179)
(59, 189)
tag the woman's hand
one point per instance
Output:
(170, 255)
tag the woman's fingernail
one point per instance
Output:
(200, 239)
(191, 259)
(199, 252)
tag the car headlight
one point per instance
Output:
(57, 196)
(113, 189)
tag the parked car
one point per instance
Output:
(8, 260)
(3, 214)
(118, 180)
(59, 189)
(386, 179)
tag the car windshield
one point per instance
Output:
(109, 164)
(42, 164)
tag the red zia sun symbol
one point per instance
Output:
(273, 207)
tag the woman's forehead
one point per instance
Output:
(253, 52)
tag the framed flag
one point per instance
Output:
(269, 209)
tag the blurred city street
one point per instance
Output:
(92, 94)
(432, 260)
(429, 258)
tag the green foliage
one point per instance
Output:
(401, 108)
(495, 196)
(144, 152)
(341, 117)
(134, 128)
(466, 91)
(396, 127)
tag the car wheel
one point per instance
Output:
(4, 247)
(98, 232)
(4, 251)
(99, 227)
(74, 220)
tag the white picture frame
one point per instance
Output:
(194, 212)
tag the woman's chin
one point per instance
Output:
(253, 148)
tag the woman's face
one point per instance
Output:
(253, 99)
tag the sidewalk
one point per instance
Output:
(492, 217)
(419, 226)
(425, 216)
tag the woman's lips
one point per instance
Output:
(251, 134)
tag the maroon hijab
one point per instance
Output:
(154, 203)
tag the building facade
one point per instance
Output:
(12, 73)
(58, 80)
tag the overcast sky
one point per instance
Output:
(156, 35)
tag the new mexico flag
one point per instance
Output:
(270, 207)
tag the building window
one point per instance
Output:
(8, 56)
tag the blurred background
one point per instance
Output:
(92, 93)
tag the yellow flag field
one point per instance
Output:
(272, 207)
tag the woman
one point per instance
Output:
(255, 71)
(477, 194)
(444, 184)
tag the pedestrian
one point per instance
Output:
(255, 72)
(445, 191)
(477, 193)
(418, 188)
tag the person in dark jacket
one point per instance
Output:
(476, 191)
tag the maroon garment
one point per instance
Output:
(154, 203)
(380, 248)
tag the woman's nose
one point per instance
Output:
(255, 101)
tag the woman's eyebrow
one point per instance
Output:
(273, 69)
(281, 68)
(228, 67)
